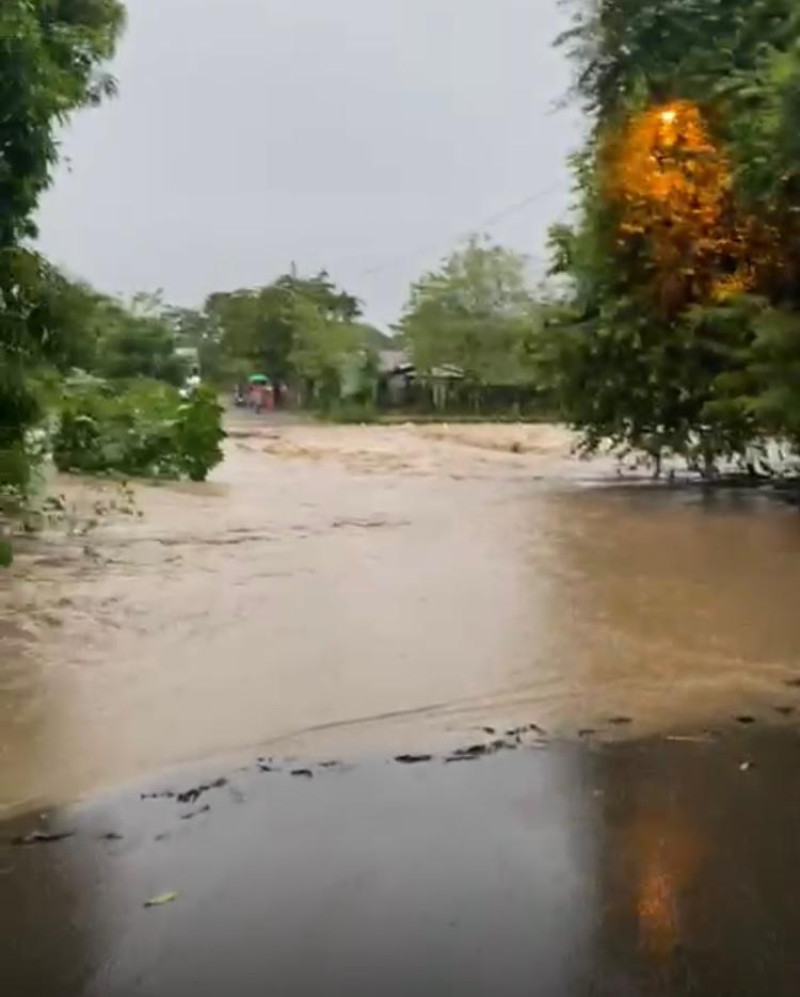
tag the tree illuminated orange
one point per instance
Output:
(674, 190)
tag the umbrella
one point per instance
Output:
(259, 379)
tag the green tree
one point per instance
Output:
(51, 54)
(475, 313)
(260, 325)
(683, 261)
(324, 345)
(136, 340)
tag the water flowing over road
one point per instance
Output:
(383, 588)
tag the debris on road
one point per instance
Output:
(161, 899)
(196, 813)
(192, 795)
(42, 837)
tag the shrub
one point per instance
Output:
(200, 434)
(146, 430)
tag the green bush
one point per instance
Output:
(200, 434)
(147, 430)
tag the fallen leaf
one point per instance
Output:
(161, 899)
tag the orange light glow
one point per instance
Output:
(675, 189)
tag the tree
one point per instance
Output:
(51, 53)
(261, 324)
(474, 313)
(323, 345)
(686, 231)
(136, 340)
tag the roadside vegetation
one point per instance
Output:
(148, 430)
(679, 332)
(55, 331)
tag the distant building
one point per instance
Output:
(400, 383)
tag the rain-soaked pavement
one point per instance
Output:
(651, 868)
(362, 594)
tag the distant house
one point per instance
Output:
(400, 383)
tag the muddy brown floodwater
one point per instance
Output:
(339, 588)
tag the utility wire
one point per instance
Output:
(492, 219)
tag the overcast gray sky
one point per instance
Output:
(363, 136)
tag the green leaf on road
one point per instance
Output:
(161, 899)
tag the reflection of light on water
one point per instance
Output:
(668, 855)
(657, 910)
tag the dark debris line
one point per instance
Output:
(515, 737)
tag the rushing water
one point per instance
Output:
(336, 587)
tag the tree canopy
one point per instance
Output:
(290, 329)
(476, 313)
(683, 259)
(51, 58)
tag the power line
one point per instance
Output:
(492, 219)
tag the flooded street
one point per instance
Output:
(323, 630)
(372, 589)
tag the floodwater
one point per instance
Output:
(359, 589)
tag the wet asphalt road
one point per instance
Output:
(663, 867)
